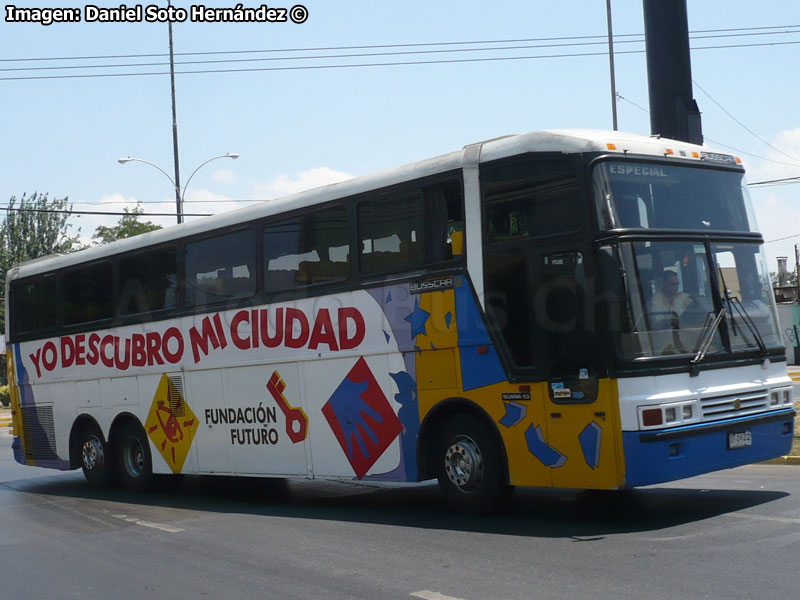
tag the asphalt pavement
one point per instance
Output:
(731, 534)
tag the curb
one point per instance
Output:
(783, 460)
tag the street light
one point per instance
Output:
(179, 194)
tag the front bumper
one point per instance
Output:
(669, 454)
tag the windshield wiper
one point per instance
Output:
(704, 343)
(737, 304)
(734, 302)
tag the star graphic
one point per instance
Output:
(418, 318)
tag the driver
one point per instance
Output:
(668, 299)
(667, 305)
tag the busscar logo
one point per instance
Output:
(716, 157)
(432, 285)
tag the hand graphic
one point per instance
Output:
(351, 411)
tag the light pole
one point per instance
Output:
(179, 193)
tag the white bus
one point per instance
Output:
(571, 309)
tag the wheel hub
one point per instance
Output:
(92, 454)
(463, 464)
(134, 457)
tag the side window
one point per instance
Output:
(221, 268)
(506, 285)
(391, 234)
(524, 200)
(87, 294)
(148, 282)
(530, 198)
(419, 227)
(34, 305)
(307, 250)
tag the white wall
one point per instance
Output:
(788, 314)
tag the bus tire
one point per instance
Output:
(133, 457)
(470, 466)
(96, 455)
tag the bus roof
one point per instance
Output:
(567, 141)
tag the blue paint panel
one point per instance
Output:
(647, 463)
(418, 319)
(16, 445)
(477, 370)
(471, 329)
(515, 412)
(34, 430)
(547, 455)
(590, 439)
(409, 417)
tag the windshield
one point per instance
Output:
(744, 282)
(661, 196)
(671, 298)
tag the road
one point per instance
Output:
(729, 535)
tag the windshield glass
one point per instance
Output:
(670, 299)
(661, 196)
(743, 273)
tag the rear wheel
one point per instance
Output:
(97, 461)
(133, 457)
(470, 465)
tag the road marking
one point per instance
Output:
(160, 526)
(765, 518)
(426, 595)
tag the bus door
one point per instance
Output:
(580, 408)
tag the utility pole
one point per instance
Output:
(797, 275)
(178, 203)
(611, 67)
(673, 111)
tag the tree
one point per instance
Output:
(34, 226)
(128, 226)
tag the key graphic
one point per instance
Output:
(296, 419)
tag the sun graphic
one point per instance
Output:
(171, 424)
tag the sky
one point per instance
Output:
(296, 128)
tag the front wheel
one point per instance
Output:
(470, 466)
(97, 462)
(133, 457)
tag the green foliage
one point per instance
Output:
(5, 395)
(128, 226)
(34, 226)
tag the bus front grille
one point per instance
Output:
(722, 407)
(38, 432)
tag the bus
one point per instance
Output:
(568, 309)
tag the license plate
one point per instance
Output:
(739, 439)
